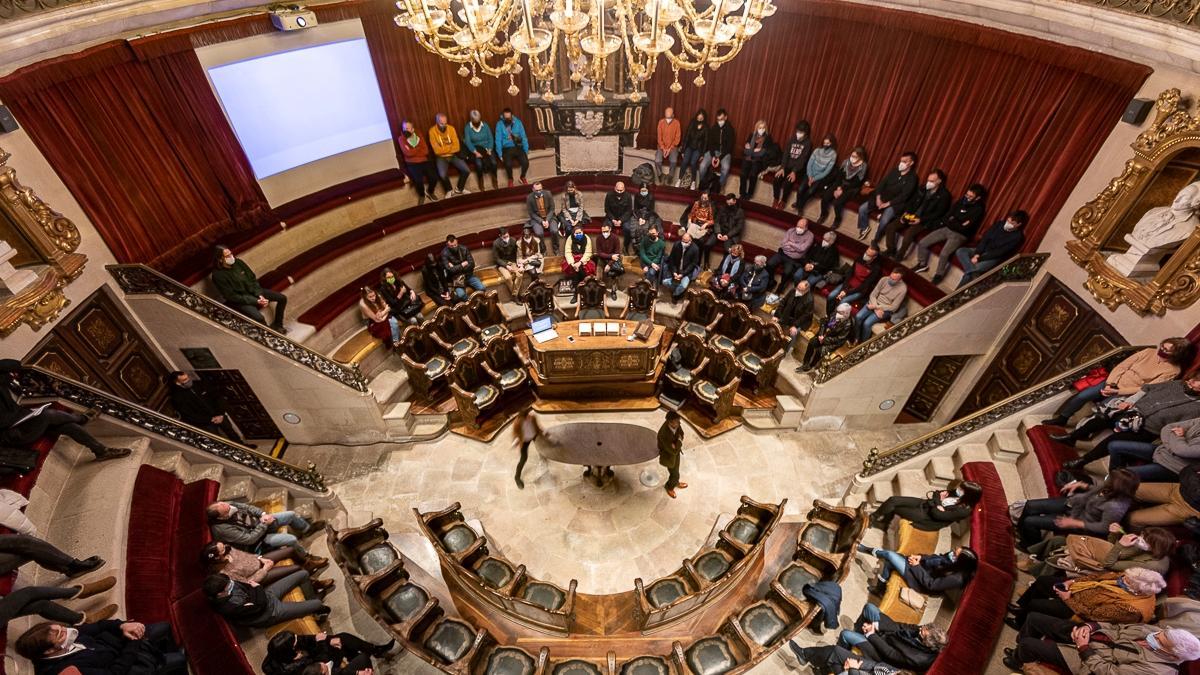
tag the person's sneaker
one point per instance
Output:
(94, 587)
(103, 614)
(862, 234)
(432, 197)
(937, 279)
(82, 567)
(111, 453)
(920, 268)
(800, 652)
(692, 186)
(679, 183)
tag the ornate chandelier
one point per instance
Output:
(490, 36)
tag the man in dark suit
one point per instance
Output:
(670, 446)
(103, 647)
(202, 407)
(19, 428)
(795, 311)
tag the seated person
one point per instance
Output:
(725, 278)
(1141, 417)
(240, 290)
(683, 265)
(752, 287)
(1178, 445)
(249, 528)
(698, 220)
(927, 207)
(380, 322)
(202, 406)
(651, 253)
(1002, 241)
(833, 333)
(889, 295)
(20, 426)
(504, 256)
(795, 311)
(435, 282)
(1168, 504)
(790, 255)
(607, 256)
(404, 302)
(531, 259)
(289, 653)
(1149, 366)
(861, 280)
(460, 267)
(540, 206)
(842, 185)
(728, 228)
(618, 209)
(956, 228)
(19, 549)
(221, 558)
(837, 660)
(937, 510)
(1114, 597)
(103, 647)
(819, 261)
(902, 645)
(255, 606)
(819, 172)
(577, 259)
(1087, 511)
(925, 574)
(40, 601)
(1094, 647)
(791, 170)
(1082, 554)
(644, 214)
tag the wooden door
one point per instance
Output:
(1057, 333)
(932, 387)
(243, 405)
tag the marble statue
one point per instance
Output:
(11, 279)
(1159, 232)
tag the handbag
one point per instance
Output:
(17, 460)
(1095, 376)
(913, 599)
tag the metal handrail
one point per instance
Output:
(37, 382)
(1182, 12)
(1020, 268)
(139, 279)
(877, 461)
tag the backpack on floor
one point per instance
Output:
(643, 174)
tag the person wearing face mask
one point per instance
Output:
(402, 300)
(101, 648)
(339, 653)
(240, 290)
(608, 258)
(863, 277)
(1099, 647)
(939, 509)
(819, 261)
(1140, 417)
(893, 192)
(956, 228)
(682, 266)
(752, 287)
(651, 254)
(644, 215)
(928, 206)
(577, 259)
(718, 149)
(795, 312)
(434, 281)
(925, 574)
(725, 278)
(531, 259)
(1116, 597)
(512, 144)
(260, 606)
(818, 172)
(460, 267)
(504, 255)
(540, 206)
(698, 219)
(21, 426)
(443, 138)
(833, 333)
(421, 171)
(202, 406)
(250, 528)
(844, 184)
(727, 230)
(694, 140)
(793, 170)
(481, 144)
(759, 152)
(790, 254)
(618, 209)
(1148, 366)
(889, 295)
(669, 134)
(1002, 241)
(881, 639)
(1081, 554)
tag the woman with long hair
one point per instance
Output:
(525, 430)
(1088, 512)
(400, 297)
(693, 149)
(925, 574)
(378, 316)
(1080, 554)
(938, 509)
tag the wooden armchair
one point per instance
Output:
(449, 644)
(806, 568)
(591, 300)
(539, 302)
(448, 530)
(482, 316)
(505, 364)
(422, 359)
(700, 312)
(396, 603)
(763, 353)
(717, 385)
(764, 625)
(678, 380)
(451, 333)
(735, 327)
(720, 653)
(833, 533)
(710, 565)
(508, 660)
(472, 389)
(642, 299)
(749, 528)
(361, 552)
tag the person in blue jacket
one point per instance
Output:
(477, 136)
(512, 144)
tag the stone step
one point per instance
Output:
(940, 471)
(168, 460)
(388, 386)
(205, 471)
(1006, 445)
(879, 492)
(972, 452)
(237, 489)
(299, 332)
(910, 483)
(428, 426)
(274, 494)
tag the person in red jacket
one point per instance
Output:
(420, 169)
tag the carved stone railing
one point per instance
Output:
(141, 280)
(15, 9)
(36, 382)
(1021, 268)
(878, 461)
(1176, 11)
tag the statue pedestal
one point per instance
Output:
(1139, 261)
(588, 137)
(11, 278)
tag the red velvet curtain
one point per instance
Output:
(1025, 117)
(143, 147)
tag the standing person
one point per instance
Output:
(650, 253)
(577, 260)
(928, 206)
(403, 300)
(512, 145)
(482, 146)
(21, 426)
(540, 204)
(460, 267)
(694, 140)
(893, 193)
(526, 430)
(793, 171)
(843, 185)
(618, 209)
(417, 165)
(718, 149)
(608, 258)
(504, 256)
(446, 147)
(955, 229)
(531, 258)
(999, 243)
(759, 152)
(240, 290)
(380, 322)
(202, 406)
(818, 171)
(670, 449)
(670, 134)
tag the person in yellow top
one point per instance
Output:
(444, 140)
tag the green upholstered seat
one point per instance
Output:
(509, 661)
(710, 656)
(706, 390)
(743, 530)
(637, 316)
(682, 377)
(406, 602)
(546, 596)
(576, 667)
(750, 361)
(436, 366)
(696, 329)
(762, 624)
(463, 347)
(712, 565)
(512, 378)
(458, 538)
(376, 558)
(485, 394)
(665, 591)
(449, 641)
(819, 537)
(723, 342)
(646, 665)
(495, 573)
(592, 313)
(490, 332)
(794, 578)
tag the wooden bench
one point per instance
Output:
(911, 542)
(305, 625)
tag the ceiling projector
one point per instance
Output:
(293, 17)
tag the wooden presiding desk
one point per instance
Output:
(584, 366)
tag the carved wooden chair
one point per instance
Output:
(833, 533)
(642, 300)
(505, 660)
(762, 625)
(451, 332)
(806, 568)
(763, 353)
(539, 302)
(712, 563)
(422, 359)
(484, 317)
(751, 524)
(474, 393)
(693, 357)
(492, 570)
(448, 530)
(450, 644)
(591, 300)
(397, 603)
(362, 551)
(700, 312)
(735, 327)
(715, 388)
(718, 653)
(505, 364)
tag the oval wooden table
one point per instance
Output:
(598, 446)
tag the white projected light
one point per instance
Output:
(291, 108)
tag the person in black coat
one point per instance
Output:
(843, 184)
(836, 660)
(759, 152)
(434, 282)
(21, 426)
(819, 260)
(795, 311)
(833, 333)
(956, 228)
(401, 300)
(928, 206)
(718, 149)
(902, 645)
(727, 228)
(1001, 242)
(793, 169)
(891, 195)
(925, 574)
(938, 509)
(752, 287)
(201, 406)
(289, 653)
(618, 210)
(683, 265)
(103, 648)
(694, 140)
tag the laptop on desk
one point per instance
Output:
(543, 329)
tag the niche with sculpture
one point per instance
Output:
(1139, 239)
(37, 255)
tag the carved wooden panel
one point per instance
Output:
(932, 387)
(58, 358)
(1057, 333)
(244, 407)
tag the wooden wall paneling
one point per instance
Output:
(931, 388)
(248, 413)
